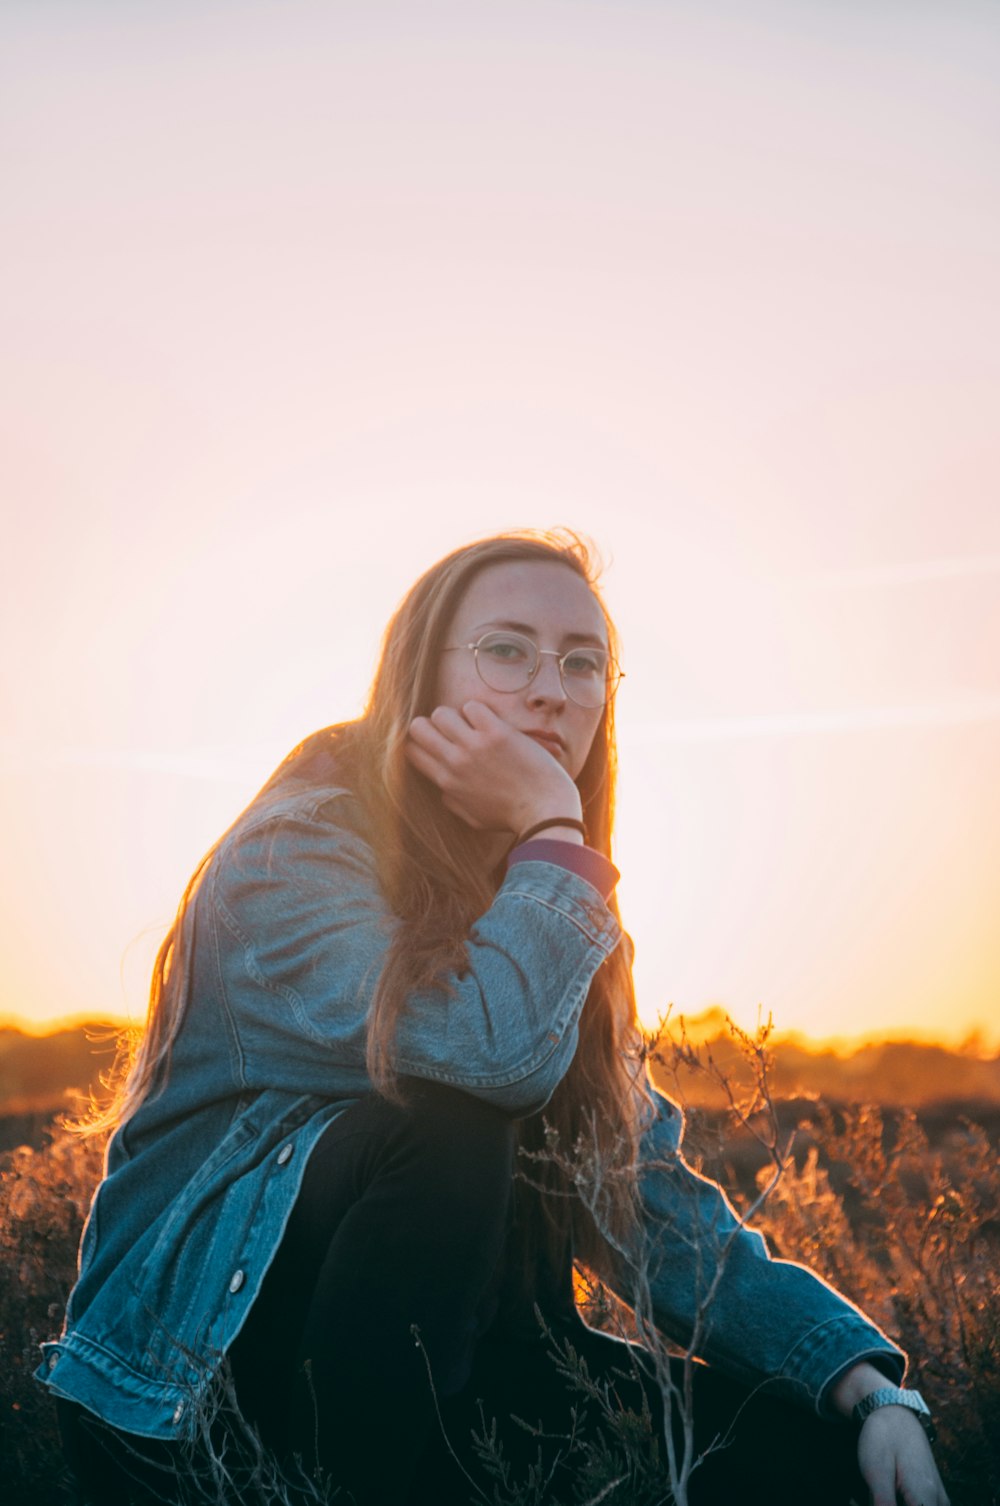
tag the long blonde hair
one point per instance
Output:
(430, 869)
(431, 873)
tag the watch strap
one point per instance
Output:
(895, 1396)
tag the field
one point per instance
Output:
(896, 1203)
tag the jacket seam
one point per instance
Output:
(598, 935)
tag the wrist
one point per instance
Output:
(561, 828)
(558, 834)
(855, 1384)
(565, 803)
(895, 1399)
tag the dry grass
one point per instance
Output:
(909, 1230)
(44, 1196)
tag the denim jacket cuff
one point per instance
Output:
(586, 862)
(561, 889)
(823, 1355)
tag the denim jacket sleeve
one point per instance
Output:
(761, 1320)
(301, 931)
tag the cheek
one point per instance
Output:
(589, 733)
(458, 682)
(452, 687)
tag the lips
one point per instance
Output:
(550, 740)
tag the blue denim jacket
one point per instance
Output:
(286, 934)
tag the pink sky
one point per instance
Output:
(298, 297)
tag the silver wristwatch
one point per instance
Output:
(893, 1396)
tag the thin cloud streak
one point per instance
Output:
(220, 765)
(801, 723)
(208, 764)
(905, 573)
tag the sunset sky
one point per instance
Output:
(296, 297)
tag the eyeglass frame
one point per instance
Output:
(614, 669)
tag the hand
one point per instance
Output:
(489, 774)
(894, 1455)
(895, 1459)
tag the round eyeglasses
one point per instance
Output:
(508, 662)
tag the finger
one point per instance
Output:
(453, 724)
(426, 763)
(880, 1477)
(431, 736)
(923, 1489)
(439, 774)
(458, 809)
(478, 715)
(436, 764)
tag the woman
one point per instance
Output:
(403, 951)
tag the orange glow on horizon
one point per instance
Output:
(346, 310)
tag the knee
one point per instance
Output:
(431, 1141)
(456, 1133)
(443, 1162)
(447, 1155)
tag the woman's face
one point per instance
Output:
(550, 604)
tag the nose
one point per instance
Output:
(546, 686)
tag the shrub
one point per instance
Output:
(44, 1196)
(911, 1233)
(908, 1230)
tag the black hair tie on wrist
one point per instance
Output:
(552, 821)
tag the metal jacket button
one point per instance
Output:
(285, 1154)
(236, 1281)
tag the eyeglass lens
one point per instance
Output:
(508, 661)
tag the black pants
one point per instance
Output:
(395, 1325)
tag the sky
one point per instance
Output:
(298, 297)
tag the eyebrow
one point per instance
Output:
(532, 632)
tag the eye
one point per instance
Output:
(586, 663)
(506, 648)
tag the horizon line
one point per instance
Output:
(839, 1044)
